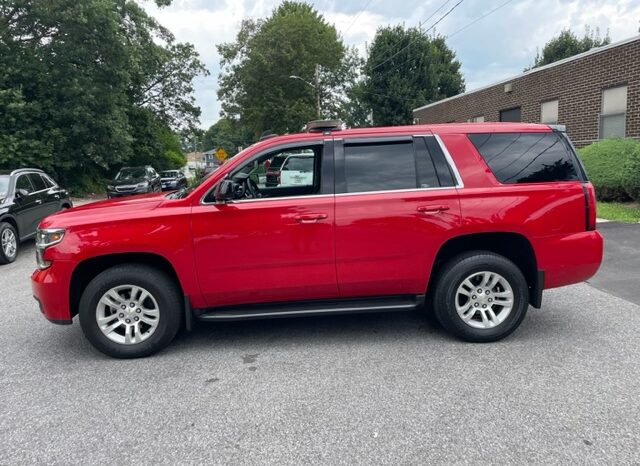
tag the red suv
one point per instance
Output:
(470, 221)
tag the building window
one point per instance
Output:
(549, 112)
(613, 117)
(476, 119)
(511, 114)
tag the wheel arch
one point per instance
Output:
(89, 268)
(514, 246)
(12, 221)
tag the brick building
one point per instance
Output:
(595, 94)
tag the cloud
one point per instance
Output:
(497, 47)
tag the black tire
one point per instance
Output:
(163, 289)
(4, 257)
(463, 266)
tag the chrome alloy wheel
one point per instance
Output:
(9, 243)
(127, 314)
(484, 300)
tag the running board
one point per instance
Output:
(310, 308)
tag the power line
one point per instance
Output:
(478, 19)
(357, 16)
(419, 26)
(456, 32)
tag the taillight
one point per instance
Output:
(590, 206)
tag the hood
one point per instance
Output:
(104, 211)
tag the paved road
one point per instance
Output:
(620, 270)
(376, 389)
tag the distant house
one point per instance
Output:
(195, 161)
(595, 94)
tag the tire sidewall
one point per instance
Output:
(453, 278)
(4, 259)
(161, 288)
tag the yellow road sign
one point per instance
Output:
(221, 154)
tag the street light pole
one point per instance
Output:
(316, 86)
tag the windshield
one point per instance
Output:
(4, 186)
(300, 164)
(131, 173)
(169, 174)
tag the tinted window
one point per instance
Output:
(439, 160)
(526, 157)
(36, 181)
(379, 167)
(23, 183)
(427, 177)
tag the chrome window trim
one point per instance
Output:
(452, 165)
(408, 190)
(261, 199)
(55, 185)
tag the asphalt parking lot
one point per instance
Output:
(372, 389)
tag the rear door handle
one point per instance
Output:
(310, 218)
(432, 209)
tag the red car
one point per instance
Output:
(470, 221)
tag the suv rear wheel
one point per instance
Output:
(130, 311)
(481, 296)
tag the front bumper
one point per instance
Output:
(51, 290)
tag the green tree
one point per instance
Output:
(407, 68)
(82, 81)
(568, 44)
(255, 85)
(228, 134)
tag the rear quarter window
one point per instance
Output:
(527, 157)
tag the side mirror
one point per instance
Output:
(224, 191)
(20, 193)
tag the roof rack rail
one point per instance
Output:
(268, 134)
(325, 126)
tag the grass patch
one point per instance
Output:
(619, 212)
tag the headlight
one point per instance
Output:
(143, 185)
(110, 187)
(45, 238)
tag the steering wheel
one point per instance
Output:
(251, 189)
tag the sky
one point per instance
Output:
(494, 48)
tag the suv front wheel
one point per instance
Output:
(130, 311)
(481, 296)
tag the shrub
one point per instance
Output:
(631, 175)
(613, 166)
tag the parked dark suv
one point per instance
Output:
(26, 197)
(134, 180)
(172, 180)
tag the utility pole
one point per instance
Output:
(318, 90)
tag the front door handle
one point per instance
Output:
(38, 201)
(432, 209)
(310, 218)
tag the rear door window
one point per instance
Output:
(379, 166)
(38, 183)
(527, 157)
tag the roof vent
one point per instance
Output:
(325, 126)
(508, 87)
